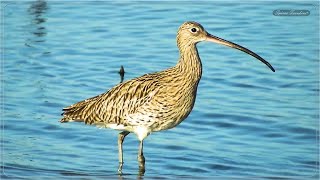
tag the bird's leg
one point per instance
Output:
(141, 159)
(121, 137)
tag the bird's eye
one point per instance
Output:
(194, 30)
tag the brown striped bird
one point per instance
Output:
(152, 102)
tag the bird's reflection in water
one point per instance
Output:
(140, 175)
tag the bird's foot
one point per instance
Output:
(142, 168)
(120, 167)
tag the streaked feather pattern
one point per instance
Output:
(156, 101)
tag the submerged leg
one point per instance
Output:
(121, 137)
(141, 159)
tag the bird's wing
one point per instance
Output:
(113, 106)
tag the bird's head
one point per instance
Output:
(190, 33)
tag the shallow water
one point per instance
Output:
(247, 121)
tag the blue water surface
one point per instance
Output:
(247, 121)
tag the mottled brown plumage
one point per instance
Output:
(152, 102)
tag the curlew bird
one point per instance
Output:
(152, 102)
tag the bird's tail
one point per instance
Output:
(73, 113)
(79, 112)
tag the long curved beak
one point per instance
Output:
(218, 40)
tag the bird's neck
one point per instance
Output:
(189, 63)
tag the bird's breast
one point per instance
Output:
(173, 107)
